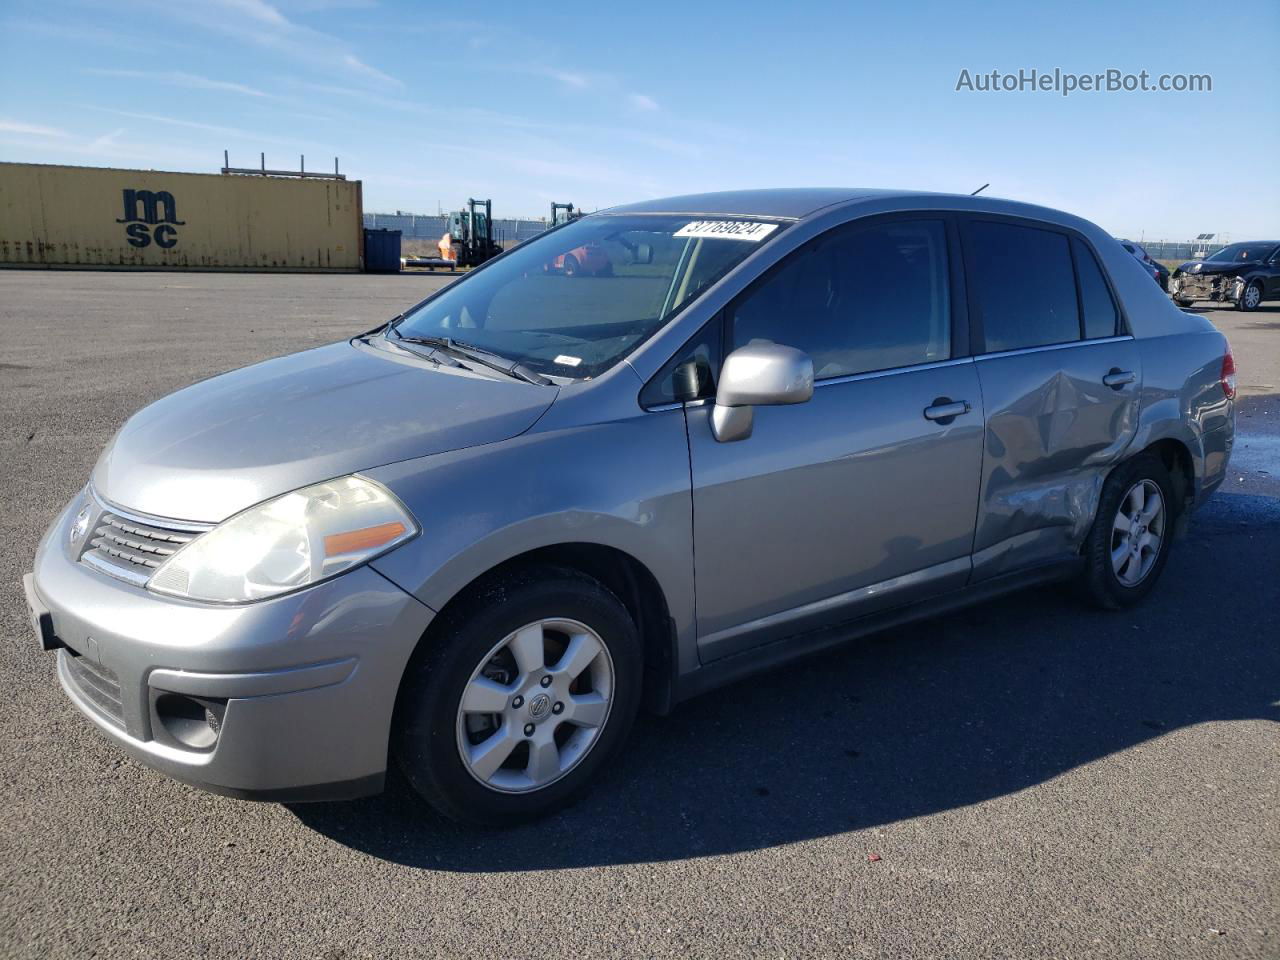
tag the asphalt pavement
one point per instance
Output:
(1029, 778)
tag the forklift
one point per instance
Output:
(563, 213)
(469, 241)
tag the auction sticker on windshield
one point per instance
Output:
(727, 230)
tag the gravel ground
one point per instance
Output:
(1027, 778)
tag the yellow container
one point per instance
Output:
(101, 217)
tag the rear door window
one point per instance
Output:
(1024, 285)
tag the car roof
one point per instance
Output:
(798, 203)
(790, 203)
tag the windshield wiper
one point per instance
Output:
(512, 368)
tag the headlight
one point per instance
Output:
(295, 540)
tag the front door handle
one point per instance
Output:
(1118, 378)
(944, 410)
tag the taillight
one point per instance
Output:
(1228, 379)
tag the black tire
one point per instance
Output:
(1254, 289)
(425, 739)
(1182, 302)
(1099, 582)
(570, 265)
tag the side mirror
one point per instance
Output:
(766, 374)
(642, 253)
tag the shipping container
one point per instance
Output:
(59, 216)
(382, 251)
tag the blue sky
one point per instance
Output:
(603, 103)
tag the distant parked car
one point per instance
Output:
(788, 418)
(1159, 272)
(588, 260)
(1242, 273)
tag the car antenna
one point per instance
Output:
(980, 189)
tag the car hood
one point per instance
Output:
(212, 449)
(1212, 267)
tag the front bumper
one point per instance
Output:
(284, 699)
(1210, 286)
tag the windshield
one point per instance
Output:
(575, 301)
(1241, 252)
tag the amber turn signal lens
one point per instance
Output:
(366, 539)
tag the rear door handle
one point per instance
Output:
(1118, 378)
(944, 409)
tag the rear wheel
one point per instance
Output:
(1128, 545)
(1183, 302)
(570, 265)
(528, 688)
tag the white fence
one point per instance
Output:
(1178, 249)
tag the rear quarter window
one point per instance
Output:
(1101, 319)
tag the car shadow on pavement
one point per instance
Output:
(1211, 306)
(943, 714)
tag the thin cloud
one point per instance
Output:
(176, 78)
(359, 66)
(257, 10)
(230, 132)
(572, 79)
(31, 129)
(322, 6)
(149, 155)
(176, 122)
(106, 141)
(261, 24)
(576, 80)
(641, 102)
(67, 32)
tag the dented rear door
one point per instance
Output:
(1059, 415)
(1054, 430)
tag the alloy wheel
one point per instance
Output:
(1137, 534)
(535, 706)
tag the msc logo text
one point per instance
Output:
(151, 218)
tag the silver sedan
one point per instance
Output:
(481, 537)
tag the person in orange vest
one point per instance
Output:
(446, 248)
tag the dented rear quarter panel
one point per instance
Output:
(1183, 400)
(1055, 432)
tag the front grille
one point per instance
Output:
(129, 548)
(96, 684)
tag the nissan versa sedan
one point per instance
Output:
(477, 540)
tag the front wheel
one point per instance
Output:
(1129, 542)
(520, 698)
(1250, 298)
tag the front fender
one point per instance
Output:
(623, 484)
